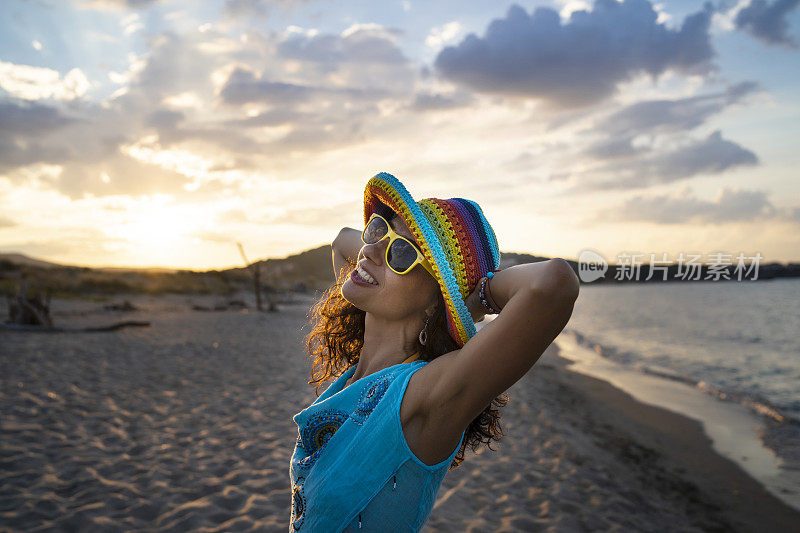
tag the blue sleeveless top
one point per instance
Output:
(351, 468)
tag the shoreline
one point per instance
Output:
(681, 446)
(735, 431)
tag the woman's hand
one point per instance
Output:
(474, 304)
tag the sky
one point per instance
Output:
(161, 133)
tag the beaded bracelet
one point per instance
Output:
(484, 292)
(489, 296)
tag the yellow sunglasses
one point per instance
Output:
(402, 255)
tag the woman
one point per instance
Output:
(416, 382)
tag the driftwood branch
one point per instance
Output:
(255, 270)
(29, 309)
(50, 329)
(30, 312)
(39, 316)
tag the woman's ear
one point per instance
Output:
(430, 311)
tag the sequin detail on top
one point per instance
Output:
(298, 504)
(370, 397)
(317, 432)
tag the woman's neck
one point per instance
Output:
(356, 375)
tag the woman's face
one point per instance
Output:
(395, 297)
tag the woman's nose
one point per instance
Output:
(374, 251)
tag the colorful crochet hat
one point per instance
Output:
(453, 235)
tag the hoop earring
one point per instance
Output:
(423, 335)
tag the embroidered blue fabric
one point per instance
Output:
(352, 469)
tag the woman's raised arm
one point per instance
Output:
(346, 245)
(536, 301)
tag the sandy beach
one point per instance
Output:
(186, 425)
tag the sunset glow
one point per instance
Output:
(160, 133)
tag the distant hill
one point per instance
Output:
(508, 259)
(307, 271)
(21, 259)
(137, 269)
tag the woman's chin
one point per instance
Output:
(350, 291)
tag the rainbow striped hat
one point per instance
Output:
(453, 235)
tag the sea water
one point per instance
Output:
(724, 353)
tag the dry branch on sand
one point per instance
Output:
(31, 312)
(29, 309)
(49, 329)
(255, 270)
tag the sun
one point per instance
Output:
(156, 228)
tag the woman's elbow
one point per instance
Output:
(561, 283)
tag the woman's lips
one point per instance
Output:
(357, 279)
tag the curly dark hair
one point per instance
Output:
(337, 336)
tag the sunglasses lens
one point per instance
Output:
(375, 230)
(402, 255)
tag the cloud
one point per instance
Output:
(445, 33)
(274, 117)
(172, 129)
(84, 146)
(174, 65)
(425, 101)
(249, 9)
(213, 236)
(232, 216)
(711, 155)
(648, 142)
(24, 137)
(361, 65)
(127, 176)
(239, 104)
(243, 87)
(580, 62)
(358, 44)
(119, 4)
(245, 8)
(342, 80)
(37, 83)
(620, 129)
(6, 222)
(131, 24)
(30, 118)
(333, 126)
(333, 215)
(767, 21)
(730, 205)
